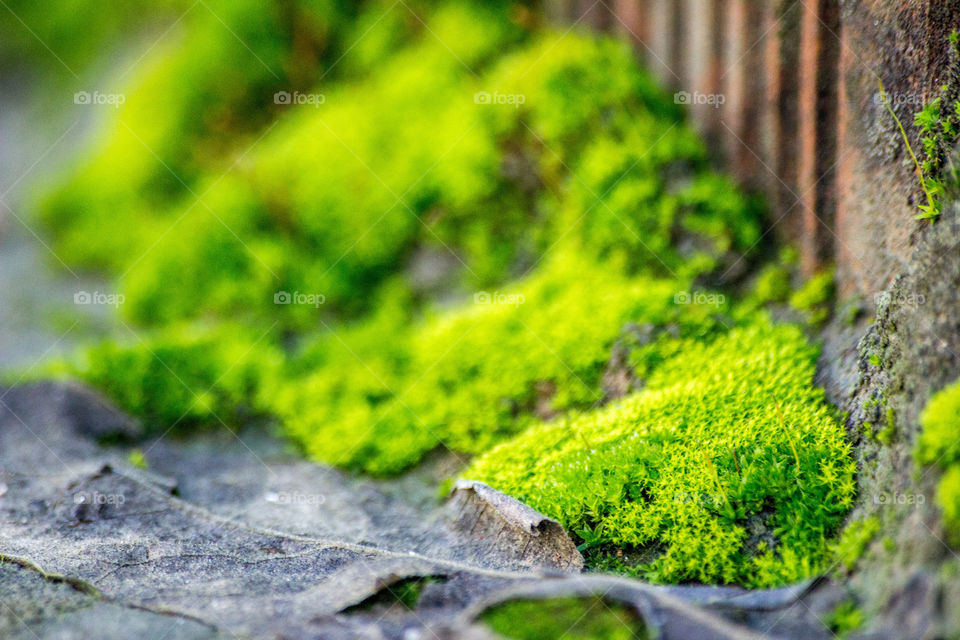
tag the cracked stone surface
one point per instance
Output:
(228, 537)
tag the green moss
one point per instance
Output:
(181, 379)
(137, 459)
(815, 297)
(574, 618)
(846, 618)
(195, 98)
(410, 160)
(772, 285)
(469, 378)
(728, 431)
(403, 594)
(939, 127)
(938, 445)
(941, 422)
(854, 540)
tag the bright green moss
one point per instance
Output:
(137, 459)
(938, 445)
(194, 98)
(938, 441)
(772, 285)
(815, 297)
(471, 377)
(846, 618)
(948, 497)
(411, 157)
(851, 544)
(573, 618)
(182, 379)
(727, 432)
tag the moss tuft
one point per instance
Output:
(856, 536)
(815, 297)
(726, 434)
(938, 445)
(471, 377)
(573, 618)
(845, 618)
(180, 379)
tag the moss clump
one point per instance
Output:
(469, 378)
(411, 159)
(814, 298)
(938, 445)
(846, 618)
(854, 540)
(726, 433)
(181, 379)
(574, 618)
(195, 99)
(939, 127)
(137, 459)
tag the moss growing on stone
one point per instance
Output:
(845, 618)
(181, 379)
(728, 433)
(469, 378)
(815, 297)
(939, 127)
(853, 541)
(573, 618)
(417, 153)
(938, 445)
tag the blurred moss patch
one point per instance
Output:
(574, 618)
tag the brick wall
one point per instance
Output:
(800, 119)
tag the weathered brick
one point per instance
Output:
(904, 44)
(819, 73)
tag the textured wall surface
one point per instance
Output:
(800, 117)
